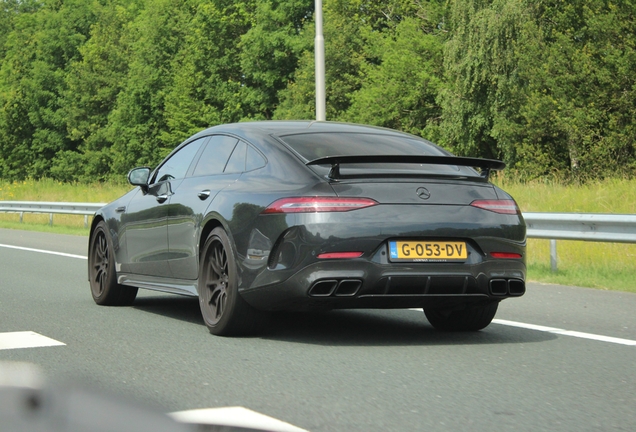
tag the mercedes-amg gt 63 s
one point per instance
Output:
(269, 216)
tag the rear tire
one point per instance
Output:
(101, 271)
(472, 317)
(224, 311)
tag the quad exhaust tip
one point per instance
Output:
(350, 287)
(335, 288)
(511, 287)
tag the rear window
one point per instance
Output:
(317, 145)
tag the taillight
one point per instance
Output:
(318, 204)
(339, 255)
(497, 206)
(505, 255)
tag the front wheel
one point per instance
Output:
(101, 271)
(472, 317)
(224, 311)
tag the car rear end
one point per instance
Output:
(393, 235)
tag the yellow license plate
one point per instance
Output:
(425, 251)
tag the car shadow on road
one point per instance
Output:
(176, 307)
(365, 327)
(385, 328)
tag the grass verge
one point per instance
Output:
(53, 191)
(40, 227)
(587, 264)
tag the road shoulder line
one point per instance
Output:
(43, 251)
(564, 332)
(26, 339)
(238, 417)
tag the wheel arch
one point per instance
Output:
(206, 229)
(212, 221)
(97, 218)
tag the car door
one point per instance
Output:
(221, 163)
(146, 216)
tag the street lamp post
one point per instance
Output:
(319, 48)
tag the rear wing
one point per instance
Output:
(485, 165)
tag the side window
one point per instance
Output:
(215, 155)
(254, 160)
(177, 166)
(236, 164)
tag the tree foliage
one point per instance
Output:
(91, 88)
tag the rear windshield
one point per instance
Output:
(316, 145)
(311, 146)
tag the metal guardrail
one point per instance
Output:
(85, 209)
(553, 226)
(611, 228)
(50, 207)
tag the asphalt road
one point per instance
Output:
(340, 371)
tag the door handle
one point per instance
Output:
(162, 198)
(204, 194)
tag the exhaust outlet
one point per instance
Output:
(348, 287)
(498, 287)
(516, 287)
(323, 288)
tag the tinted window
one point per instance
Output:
(177, 166)
(317, 145)
(236, 164)
(215, 156)
(254, 160)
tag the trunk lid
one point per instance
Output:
(426, 192)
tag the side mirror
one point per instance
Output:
(139, 177)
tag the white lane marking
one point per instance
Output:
(235, 417)
(560, 331)
(43, 251)
(25, 339)
(566, 332)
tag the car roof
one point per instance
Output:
(286, 127)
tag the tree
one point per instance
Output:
(209, 85)
(544, 86)
(399, 89)
(93, 83)
(343, 27)
(583, 87)
(137, 122)
(270, 52)
(38, 50)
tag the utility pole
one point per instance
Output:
(319, 50)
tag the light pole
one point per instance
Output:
(319, 52)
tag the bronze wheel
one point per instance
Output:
(101, 270)
(224, 310)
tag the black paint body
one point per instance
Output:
(159, 229)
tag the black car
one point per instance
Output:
(268, 216)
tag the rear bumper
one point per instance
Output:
(290, 276)
(378, 283)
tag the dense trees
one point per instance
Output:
(90, 88)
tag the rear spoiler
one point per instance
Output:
(485, 165)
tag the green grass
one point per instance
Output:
(609, 196)
(50, 190)
(30, 225)
(588, 264)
